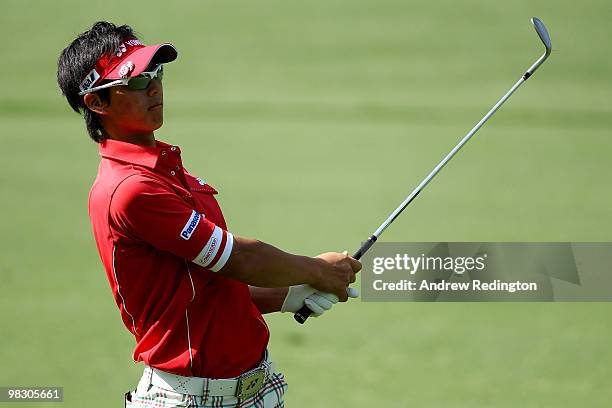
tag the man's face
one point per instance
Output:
(135, 112)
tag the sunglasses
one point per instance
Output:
(137, 83)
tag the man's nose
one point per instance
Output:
(155, 87)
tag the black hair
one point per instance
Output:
(79, 58)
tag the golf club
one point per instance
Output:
(302, 315)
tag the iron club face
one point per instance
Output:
(545, 37)
(543, 33)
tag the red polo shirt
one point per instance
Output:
(162, 238)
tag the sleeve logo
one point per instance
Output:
(212, 251)
(191, 225)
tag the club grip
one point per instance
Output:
(304, 313)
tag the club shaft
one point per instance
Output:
(302, 315)
(440, 165)
(304, 312)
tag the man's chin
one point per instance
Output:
(160, 125)
(155, 126)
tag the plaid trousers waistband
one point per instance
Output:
(199, 386)
(271, 394)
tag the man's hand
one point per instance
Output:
(337, 272)
(318, 302)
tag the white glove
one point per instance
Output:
(318, 302)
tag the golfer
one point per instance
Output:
(190, 291)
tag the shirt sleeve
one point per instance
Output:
(148, 210)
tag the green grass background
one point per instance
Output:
(314, 119)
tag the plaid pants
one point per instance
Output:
(271, 395)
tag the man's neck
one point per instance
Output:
(143, 139)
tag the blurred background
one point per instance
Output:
(314, 120)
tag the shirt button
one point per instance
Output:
(163, 152)
(173, 148)
(173, 173)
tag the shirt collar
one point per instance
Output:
(135, 154)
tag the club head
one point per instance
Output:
(545, 37)
(542, 33)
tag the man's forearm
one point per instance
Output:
(268, 300)
(262, 265)
(259, 264)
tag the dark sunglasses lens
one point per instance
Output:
(138, 83)
(142, 82)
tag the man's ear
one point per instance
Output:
(95, 103)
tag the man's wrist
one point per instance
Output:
(268, 300)
(316, 272)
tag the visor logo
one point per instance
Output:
(122, 49)
(126, 69)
